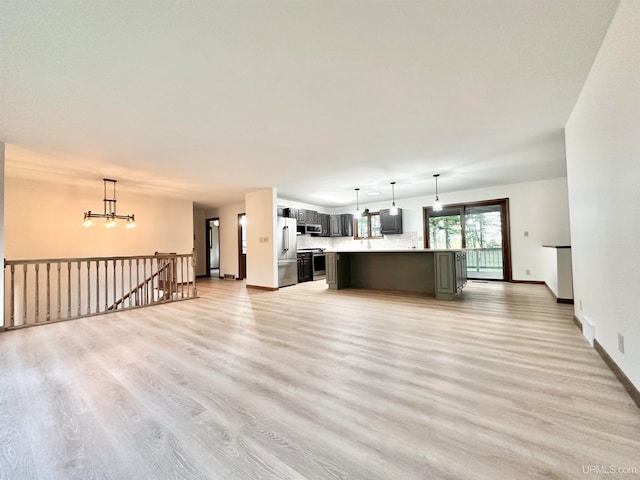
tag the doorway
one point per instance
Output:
(212, 256)
(242, 246)
(480, 227)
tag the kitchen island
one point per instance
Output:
(442, 273)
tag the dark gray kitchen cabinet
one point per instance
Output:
(335, 225)
(347, 224)
(311, 217)
(391, 224)
(323, 218)
(451, 272)
(305, 269)
(291, 213)
(307, 217)
(461, 270)
(302, 217)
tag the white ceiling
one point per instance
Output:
(209, 100)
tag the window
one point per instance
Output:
(368, 226)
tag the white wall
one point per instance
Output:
(199, 239)
(565, 273)
(603, 164)
(2, 228)
(559, 272)
(540, 208)
(550, 262)
(262, 263)
(229, 237)
(44, 220)
(199, 244)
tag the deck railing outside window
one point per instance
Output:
(484, 259)
(45, 290)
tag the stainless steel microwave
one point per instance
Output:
(313, 229)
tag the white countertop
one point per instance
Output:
(395, 250)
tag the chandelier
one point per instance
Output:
(109, 212)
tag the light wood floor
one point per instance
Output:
(308, 383)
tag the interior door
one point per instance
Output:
(242, 246)
(212, 256)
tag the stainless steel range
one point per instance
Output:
(318, 262)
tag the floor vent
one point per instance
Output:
(229, 276)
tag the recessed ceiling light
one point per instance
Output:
(334, 197)
(373, 194)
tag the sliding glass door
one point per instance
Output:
(445, 229)
(483, 239)
(481, 228)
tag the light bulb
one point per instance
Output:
(393, 210)
(131, 224)
(437, 206)
(88, 223)
(111, 223)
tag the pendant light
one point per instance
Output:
(393, 210)
(357, 214)
(109, 210)
(437, 206)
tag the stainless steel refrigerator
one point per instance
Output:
(287, 252)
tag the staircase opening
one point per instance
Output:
(47, 290)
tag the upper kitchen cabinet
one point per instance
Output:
(307, 217)
(323, 219)
(347, 225)
(291, 213)
(335, 225)
(312, 217)
(391, 224)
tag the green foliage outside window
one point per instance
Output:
(445, 232)
(369, 226)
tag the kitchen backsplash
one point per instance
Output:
(405, 240)
(307, 241)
